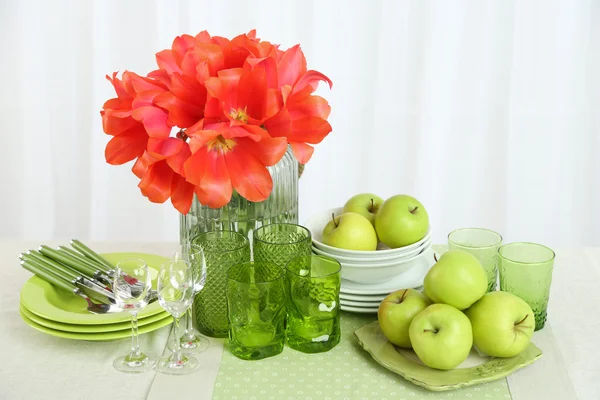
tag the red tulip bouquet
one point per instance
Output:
(213, 116)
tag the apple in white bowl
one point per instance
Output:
(401, 220)
(365, 204)
(441, 336)
(502, 324)
(350, 231)
(397, 311)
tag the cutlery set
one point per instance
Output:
(80, 271)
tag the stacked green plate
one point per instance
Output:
(59, 313)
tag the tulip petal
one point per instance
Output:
(200, 138)
(181, 114)
(292, 66)
(310, 129)
(279, 125)
(163, 148)
(142, 164)
(182, 194)
(177, 161)
(166, 60)
(126, 146)
(205, 197)
(156, 182)
(312, 78)
(194, 167)
(309, 106)
(211, 53)
(249, 177)
(268, 150)
(302, 151)
(115, 126)
(154, 120)
(142, 84)
(216, 180)
(181, 44)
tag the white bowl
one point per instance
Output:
(375, 257)
(317, 223)
(383, 271)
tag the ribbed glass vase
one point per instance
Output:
(242, 216)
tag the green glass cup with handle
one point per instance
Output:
(483, 244)
(256, 310)
(278, 243)
(526, 271)
(221, 249)
(313, 303)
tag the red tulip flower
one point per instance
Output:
(235, 105)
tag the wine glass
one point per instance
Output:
(175, 291)
(132, 285)
(191, 339)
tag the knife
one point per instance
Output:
(69, 260)
(62, 267)
(91, 254)
(66, 273)
(58, 282)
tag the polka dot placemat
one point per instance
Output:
(345, 372)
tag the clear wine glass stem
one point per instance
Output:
(176, 357)
(189, 333)
(135, 343)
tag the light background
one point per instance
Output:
(487, 111)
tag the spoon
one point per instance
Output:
(94, 308)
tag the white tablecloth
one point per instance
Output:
(36, 366)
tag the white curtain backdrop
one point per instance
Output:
(486, 111)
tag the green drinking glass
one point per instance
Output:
(256, 310)
(222, 249)
(313, 303)
(526, 271)
(279, 243)
(483, 244)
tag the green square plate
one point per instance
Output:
(474, 370)
(44, 300)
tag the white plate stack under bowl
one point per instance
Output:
(369, 276)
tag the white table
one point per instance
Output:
(35, 365)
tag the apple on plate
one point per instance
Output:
(365, 204)
(502, 324)
(397, 311)
(456, 279)
(441, 336)
(400, 221)
(350, 231)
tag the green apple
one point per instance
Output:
(397, 311)
(457, 279)
(400, 221)
(365, 204)
(441, 336)
(350, 231)
(502, 324)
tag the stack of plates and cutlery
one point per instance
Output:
(369, 276)
(71, 297)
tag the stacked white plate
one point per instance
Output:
(369, 276)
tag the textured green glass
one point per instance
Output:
(483, 244)
(256, 310)
(313, 303)
(222, 249)
(526, 271)
(279, 243)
